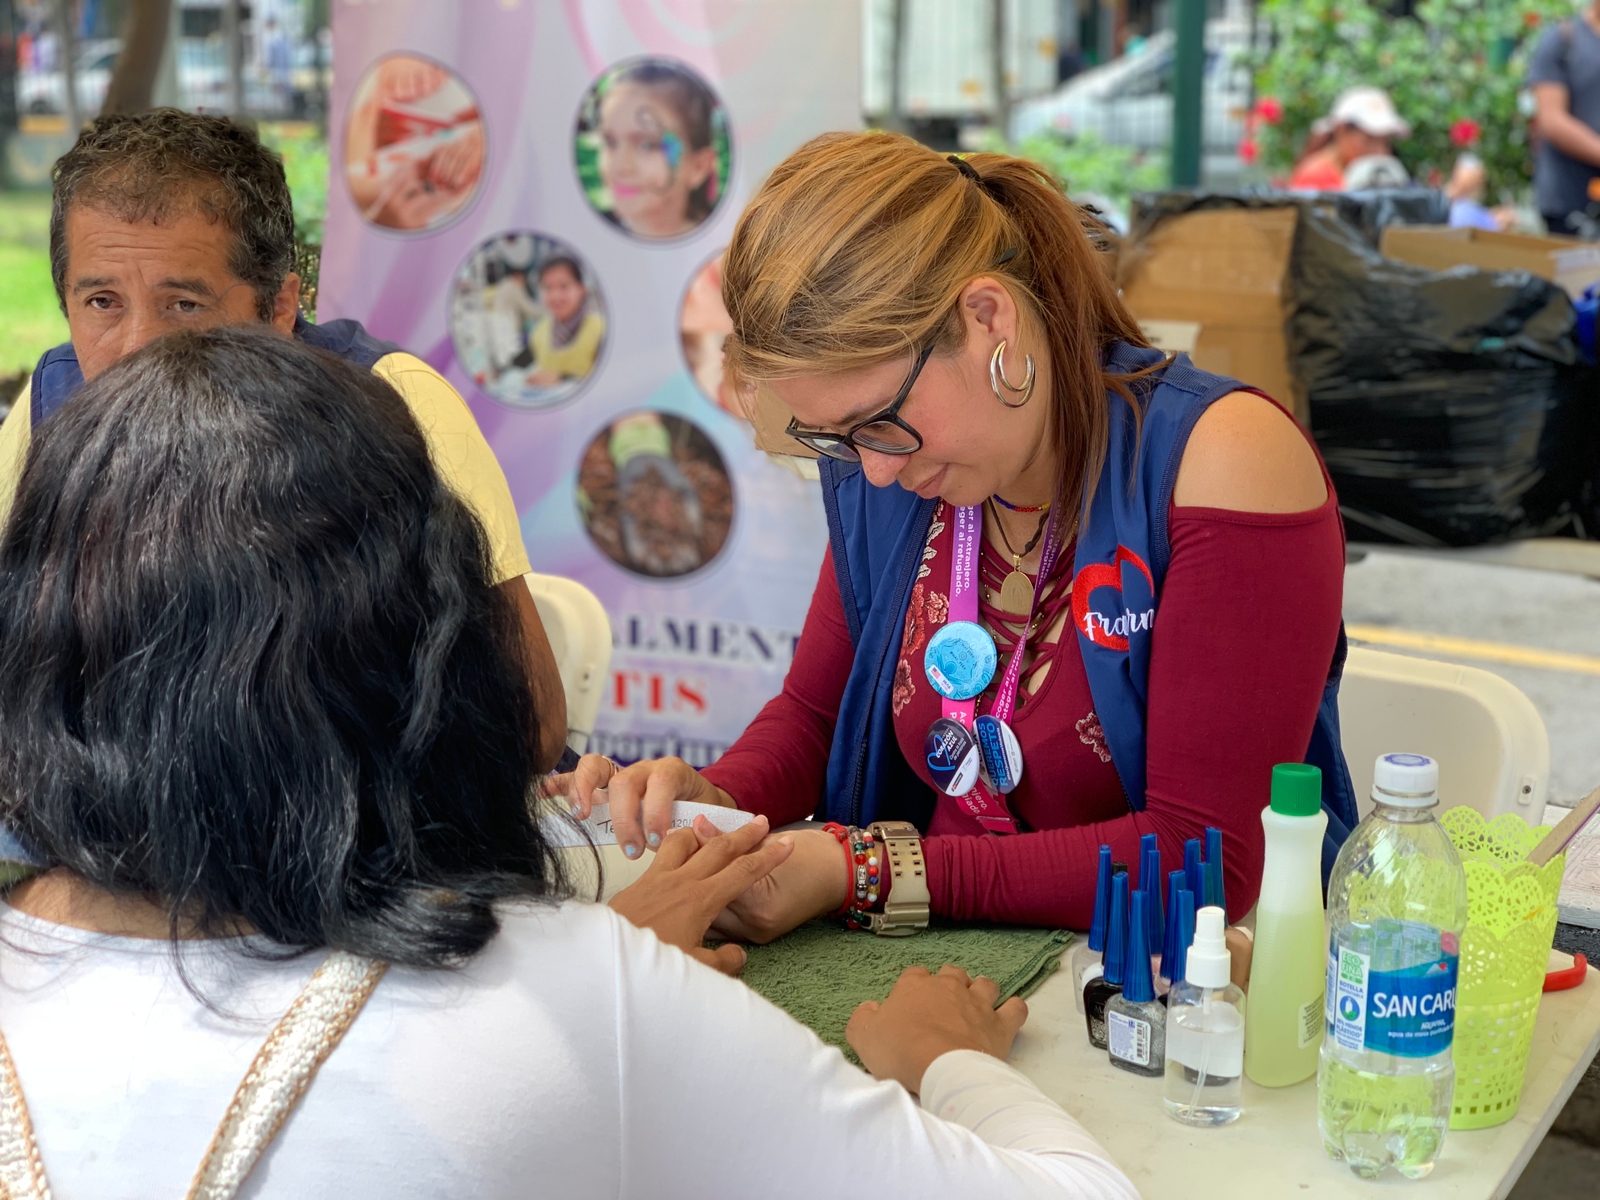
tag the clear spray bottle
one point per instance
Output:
(1205, 1032)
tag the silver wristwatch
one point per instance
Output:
(906, 910)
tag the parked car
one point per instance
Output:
(46, 91)
(1128, 102)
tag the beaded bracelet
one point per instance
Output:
(864, 874)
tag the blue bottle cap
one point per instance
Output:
(1193, 867)
(1002, 754)
(1184, 918)
(960, 660)
(1102, 901)
(1216, 891)
(1136, 983)
(1117, 932)
(1170, 953)
(1155, 924)
(952, 755)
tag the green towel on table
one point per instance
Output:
(821, 971)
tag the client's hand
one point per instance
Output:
(693, 878)
(929, 1015)
(641, 796)
(810, 882)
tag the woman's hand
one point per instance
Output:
(694, 876)
(812, 881)
(641, 796)
(929, 1015)
(456, 165)
(403, 79)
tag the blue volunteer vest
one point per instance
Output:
(58, 375)
(1123, 551)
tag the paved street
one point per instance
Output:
(1514, 608)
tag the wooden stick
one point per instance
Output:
(1556, 841)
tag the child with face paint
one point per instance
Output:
(657, 157)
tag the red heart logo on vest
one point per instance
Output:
(1098, 575)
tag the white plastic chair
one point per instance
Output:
(580, 637)
(1489, 740)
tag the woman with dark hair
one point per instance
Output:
(267, 728)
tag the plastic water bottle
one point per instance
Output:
(1397, 904)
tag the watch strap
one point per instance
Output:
(906, 909)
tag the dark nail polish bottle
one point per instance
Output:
(1098, 990)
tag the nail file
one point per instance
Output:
(564, 831)
(1556, 841)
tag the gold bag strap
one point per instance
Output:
(280, 1074)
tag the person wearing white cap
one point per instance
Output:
(1365, 124)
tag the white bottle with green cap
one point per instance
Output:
(1284, 1021)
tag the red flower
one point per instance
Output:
(1249, 151)
(1531, 20)
(1269, 109)
(1465, 132)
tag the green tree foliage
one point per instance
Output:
(1454, 71)
(1088, 167)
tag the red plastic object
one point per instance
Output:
(1560, 981)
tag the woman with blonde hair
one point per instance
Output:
(1077, 591)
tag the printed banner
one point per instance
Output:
(533, 196)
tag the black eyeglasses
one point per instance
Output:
(882, 433)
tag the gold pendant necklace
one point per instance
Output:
(1016, 591)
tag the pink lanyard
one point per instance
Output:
(987, 806)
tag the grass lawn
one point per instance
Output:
(30, 320)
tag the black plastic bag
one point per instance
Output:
(1452, 407)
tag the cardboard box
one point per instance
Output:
(1569, 263)
(1214, 283)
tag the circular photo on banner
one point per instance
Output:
(652, 148)
(654, 494)
(527, 319)
(414, 144)
(703, 325)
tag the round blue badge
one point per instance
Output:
(960, 660)
(953, 758)
(1002, 754)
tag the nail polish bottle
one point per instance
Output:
(1136, 1022)
(1216, 896)
(1108, 984)
(1175, 882)
(1150, 885)
(1087, 956)
(1194, 868)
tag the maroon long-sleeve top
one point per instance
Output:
(1243, 638)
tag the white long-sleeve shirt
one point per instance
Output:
(576, 1056)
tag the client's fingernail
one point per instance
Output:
(631, 850)
(786, 839)
(654, 839)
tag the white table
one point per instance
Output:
(1273, 1150)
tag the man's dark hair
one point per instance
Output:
(252, 663)
(150, 165)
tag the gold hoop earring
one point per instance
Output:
(998, 380)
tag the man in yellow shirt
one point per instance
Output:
(170, 220)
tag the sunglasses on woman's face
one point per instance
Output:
(882, 433)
